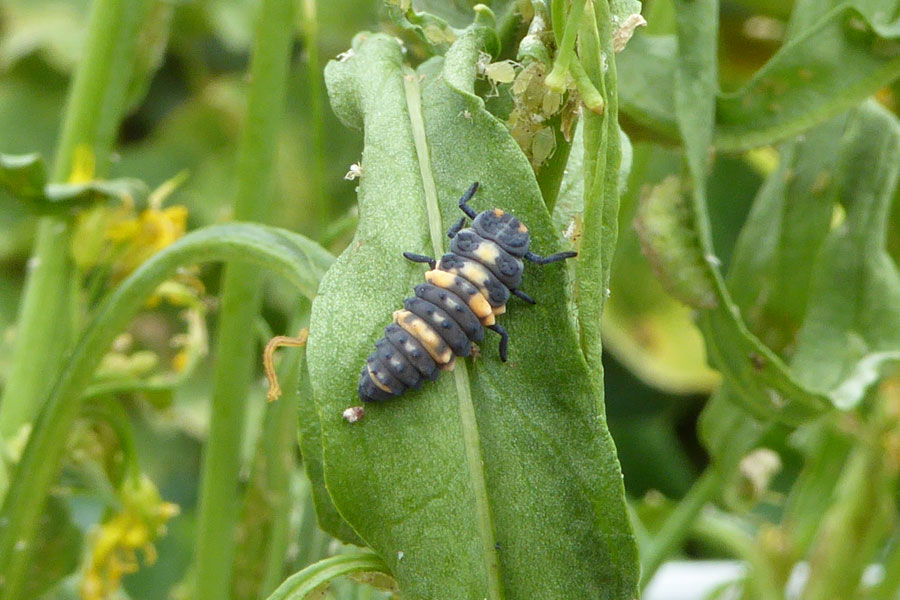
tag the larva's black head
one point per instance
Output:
(504, 229)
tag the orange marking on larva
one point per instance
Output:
(376, 382)
(522, 228)
(476, 274)
(482, 308)
(498, 212)
(428, 337)
(500, 310)
(478, 303)
(449, 366)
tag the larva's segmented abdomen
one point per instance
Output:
(468, 287)
(435, 326)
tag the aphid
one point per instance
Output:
(464, 291)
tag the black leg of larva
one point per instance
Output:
(420, 258)
(546, 260)
(504, 339)
(454, 229)
(463, 202)
(523, 296)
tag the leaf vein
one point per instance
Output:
(468, 422)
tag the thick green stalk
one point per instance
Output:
(315, 90)
(299, 260)
(241, 297)
(92, 113)
(679, 523)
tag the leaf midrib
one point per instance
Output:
(468, 422)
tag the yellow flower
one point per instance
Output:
(113, 554)
(144, 235)
(119, 237)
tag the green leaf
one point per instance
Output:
(769, 274)
(25, 176)
(83, 194)
(822, 71)
(432, 30)
(838, 317)
(825, 453)
(602, 162)
(643, 327)
(514, 459)
(851, 330)
(310, 432)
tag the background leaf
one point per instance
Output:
(850, 330)
(822, 71)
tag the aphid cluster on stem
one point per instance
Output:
(464, 292)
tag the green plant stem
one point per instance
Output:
(590, 95)
(558, 19)
(859, 519)
(723, 531)
(602, 155)
(241, 298)
(297, 586)
(315, 84)
(292, 256)
(92, 113)
(679, 523)
(556, 80)
(279, 440)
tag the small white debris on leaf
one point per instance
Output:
(624, 32)
(346, 55)
(355, 172)
(400, 555)
(354, 413)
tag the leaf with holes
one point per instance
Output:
(497, 480)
